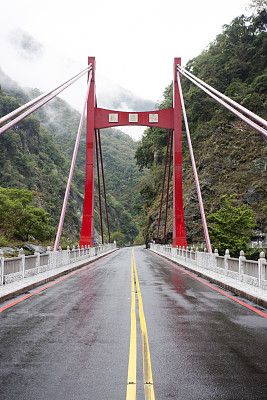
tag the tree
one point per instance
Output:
(12, 204)
(34, 222)
(119, 237)
(231, 226)
(19, 218)
(258, 5)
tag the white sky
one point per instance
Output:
(134, 42)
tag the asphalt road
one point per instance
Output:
(71, 340)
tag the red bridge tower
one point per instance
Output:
(99, 118)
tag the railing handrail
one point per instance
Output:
(249, 271)
(54, 259)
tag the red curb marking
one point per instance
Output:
(51, 284)
(212, 287)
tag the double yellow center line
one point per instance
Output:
(147, 372)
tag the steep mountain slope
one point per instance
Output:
(30, 159)
(37, 157)
(231, 157)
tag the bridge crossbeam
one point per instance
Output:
(111, 118)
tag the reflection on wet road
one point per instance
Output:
(72, 339)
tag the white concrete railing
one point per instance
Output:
(16, 268)
(248, 271)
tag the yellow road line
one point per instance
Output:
(131, 380)
(147, 371)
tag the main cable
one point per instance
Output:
(99, 188)
(226, 98)
(65, 202)
(45, 99)
(202, 212)
(230, 108)
(168, 189)
(163, 183)
(104, 184)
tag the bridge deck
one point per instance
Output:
(71, 341)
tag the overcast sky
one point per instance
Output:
(134, 42)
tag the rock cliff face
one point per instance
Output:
(231, 157)
(232, 161)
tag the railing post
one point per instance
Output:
(37, 261)
(2, 266)
(261, 268)
(59, 256)
(241, 263)
(196, 255)
(74, 253)
(191, 252)
(226, 258)
(22, 262)
(68, 253)
(49, 252)
(216, 255)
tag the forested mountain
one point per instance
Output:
(231, 157)
(36, 155)
(31, 159)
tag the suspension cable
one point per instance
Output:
(168, 187)
(43, 101)
(99, 189)
(202, 212)
(65, 202)
(163, 183)
(34, 101)
(104, 185)
(223, 96)
(233, 110)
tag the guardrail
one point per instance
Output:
(251, 272)
(16, 268)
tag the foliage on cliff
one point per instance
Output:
(20, 219)
(231, 158)
(231, 227)
(36, 156)
(30, 159)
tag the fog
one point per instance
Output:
(45, 43)
(43, 67)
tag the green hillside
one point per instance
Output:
(231, 158)
(30, 159)
(36, 155)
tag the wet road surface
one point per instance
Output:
(71, 341)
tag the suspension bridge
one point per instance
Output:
(135, 323)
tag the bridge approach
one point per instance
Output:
(72, 339)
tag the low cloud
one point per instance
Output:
(33, 65)
(25, 44)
